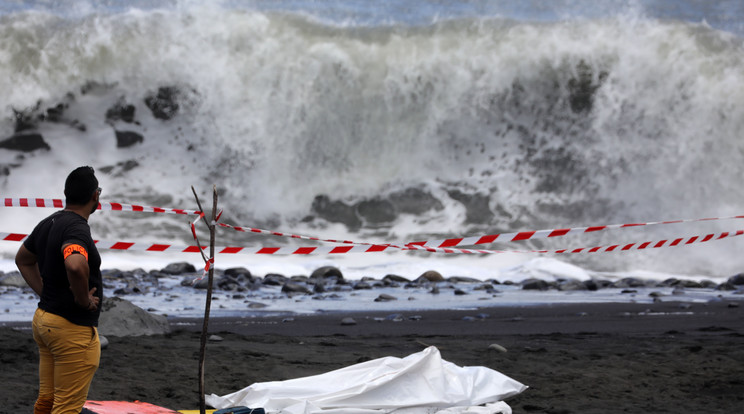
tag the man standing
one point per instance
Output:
(60, 262)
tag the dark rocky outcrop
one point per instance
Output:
(376, 211)
(126, 139)
(121, 111)
(414, 201)
(164, 104)
(476, 206)
(336, 212)
(25, 142)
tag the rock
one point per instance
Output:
(362, 286)
(737, 280)
(290, 287)
(497, 347)
(126, 139)
(629, 282)
(395, 317)
(535, 284)
(431, 276)
(326, 272)
(591, 285)
(385, 298)
(25, 142)
(395, 279)
(120, 317)
(230, 283)
(274, 279)
(726, 286)
(668, 282)
(26, 120)
(239, 271)
(462, 279)
(120, 111)
(164, 104)
(460, 292)
(215, 338)
(103, 340)
(178, 268)
(348, 321)
(572, 285)
(13, 279)
(195, 282)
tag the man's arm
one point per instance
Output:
(29, 268)
(77, 274)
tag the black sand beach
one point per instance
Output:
(580, 358)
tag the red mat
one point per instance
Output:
(124, 407)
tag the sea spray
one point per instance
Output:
(487, 125)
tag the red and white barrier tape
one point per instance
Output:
(476, 240)
(439, 246)
(57, 203)
(150, 247)
(680, 241)
(545, 234)
(441, 243)
(297, 236)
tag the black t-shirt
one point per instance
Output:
(46, 243)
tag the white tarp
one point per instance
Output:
(421, 383)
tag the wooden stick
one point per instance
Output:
(205, 325)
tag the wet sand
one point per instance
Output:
(579, 358)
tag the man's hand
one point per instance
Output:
(94, 300)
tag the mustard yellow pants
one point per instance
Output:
(68, 358)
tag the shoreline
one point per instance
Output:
(576, 358)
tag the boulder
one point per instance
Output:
(737, 280)
(120, 317)
(13, 279)
(178, 268)
(326, 272)
(395, 279)
(431, 276)
(290, 288)
(463, 279)
(535, 284)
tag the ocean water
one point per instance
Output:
(386, 122)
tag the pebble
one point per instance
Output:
(215, 338)
(104, 341)
(497, 347)
(385, 298)
(348, 321)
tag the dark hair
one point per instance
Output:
(80, 185)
